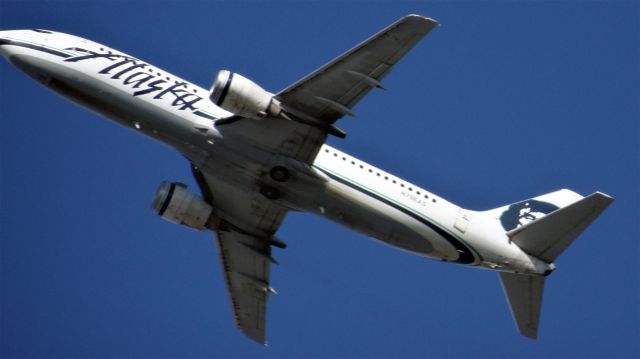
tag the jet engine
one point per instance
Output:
(176, 204)
(241, 96)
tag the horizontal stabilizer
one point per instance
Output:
(524, 293)
(547, 237)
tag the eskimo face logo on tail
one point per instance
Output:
(524, 212)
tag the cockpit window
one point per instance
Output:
(42, 31)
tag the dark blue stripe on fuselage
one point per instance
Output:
(466, 256)
(34, 47)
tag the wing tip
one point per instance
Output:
(531, 334)
(433, 22)
(258, 336)
(604, 197)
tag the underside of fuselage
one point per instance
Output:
(337, 200)
(106, 100)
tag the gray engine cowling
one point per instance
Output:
(176, 204)
(241, 96)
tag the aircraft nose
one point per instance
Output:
(3, 44)
(7, 38)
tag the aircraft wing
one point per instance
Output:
(246, 264)
(244, 240)
(319, 99)
(333, 90)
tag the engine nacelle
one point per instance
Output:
(241, 96)
(177, 205)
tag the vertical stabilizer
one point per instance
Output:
(524, 293)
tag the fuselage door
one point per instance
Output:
(462, 221)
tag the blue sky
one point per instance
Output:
(505, 101)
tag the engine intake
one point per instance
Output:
(176, 204)
(241, 96)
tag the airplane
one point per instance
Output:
(257, 155)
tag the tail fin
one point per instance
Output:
(543, 227)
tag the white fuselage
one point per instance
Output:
(178, 113)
